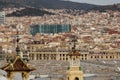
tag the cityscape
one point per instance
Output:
(59, 40)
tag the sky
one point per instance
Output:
(98, 2)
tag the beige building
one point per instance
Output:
(40, 52)
(74, 71)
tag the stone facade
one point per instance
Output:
(38, 52)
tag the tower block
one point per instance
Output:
(74, 71)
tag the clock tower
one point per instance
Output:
(74, 71)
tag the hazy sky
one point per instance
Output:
(99, 2)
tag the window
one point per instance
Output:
(106, 56)
(76, 78)
(68, 78)
(110, 56)
(95, 56)
(82, 58)
(91, 56)
(101, 56)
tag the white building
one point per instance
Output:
(2, 17)
(2, 54)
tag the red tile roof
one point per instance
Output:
(18, 65)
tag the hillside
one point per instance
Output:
(32, 7)
(29, 12)
(115, 7)
(50, 4)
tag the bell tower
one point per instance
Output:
(17, 65)
(74, 71)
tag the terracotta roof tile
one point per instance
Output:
(18, 65)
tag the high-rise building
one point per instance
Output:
(47, 29)
(2, 17)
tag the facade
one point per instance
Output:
(25, 53)
(2, 17)
(38, 52)
(74, 71)
(47, 29)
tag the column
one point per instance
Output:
(35, 56)
(10, 75)
(57, 57)
(25, 75)
(42, 56)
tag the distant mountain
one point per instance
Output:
(29, 12)
(115, 7)
(50, 4)
(34, 5)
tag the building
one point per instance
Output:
(39, 52)
(2, 54)
(2, 17)
(17, 65)
(74, 71)
(47, 29)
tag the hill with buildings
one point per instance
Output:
(29, 12)
(55, 4)
(32, 7)
(50, 4)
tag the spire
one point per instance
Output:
(74, 52)
(17, 41)
(74, 40)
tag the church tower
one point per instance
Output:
(74, 71)
(17, 65)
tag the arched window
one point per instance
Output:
(68, 78)
(76, 78)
